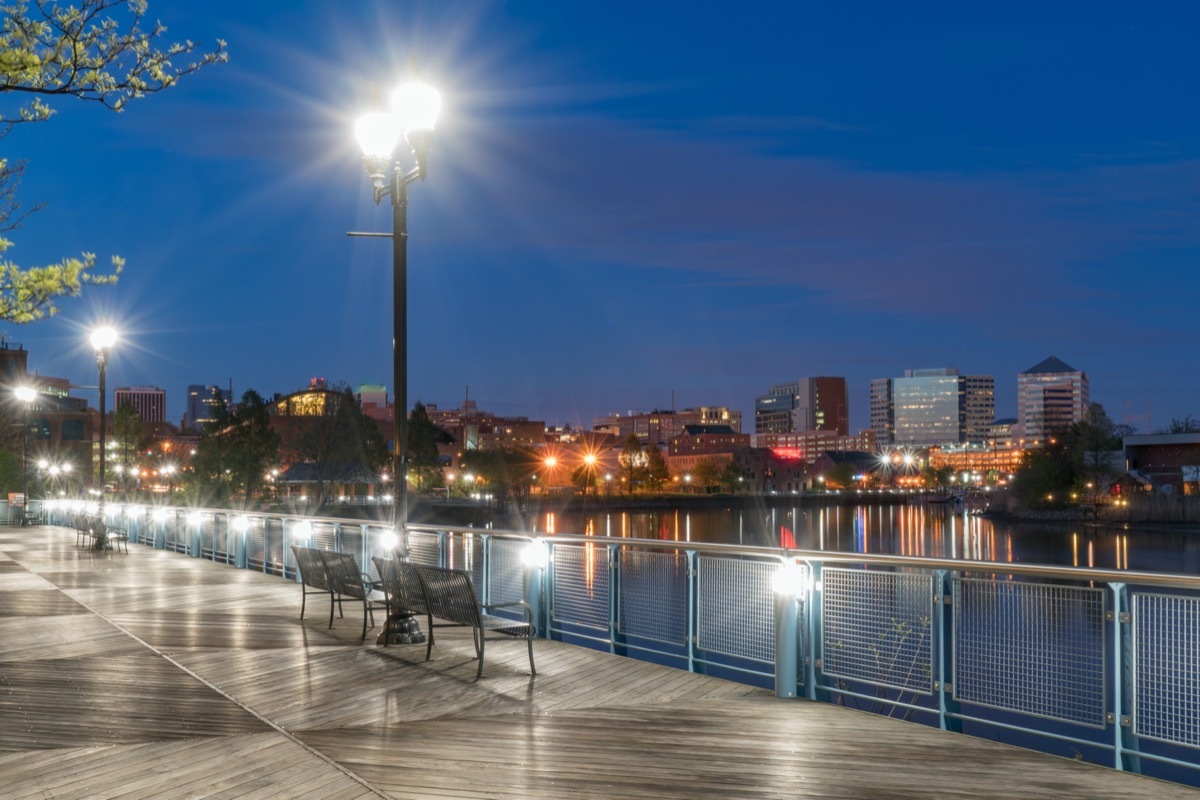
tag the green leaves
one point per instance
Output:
(97, 51)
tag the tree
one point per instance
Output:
(633, 461)
(100, 51)
(706, 474)
(1184, 424)
(253, 445)
(501, 472)
(657, 473)
(127, 438)
(422, 448)
(731, 477)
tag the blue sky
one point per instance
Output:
(631, 204)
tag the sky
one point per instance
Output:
(635, 206)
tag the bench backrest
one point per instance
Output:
(450, 593)
(312, 567)
(344, 575)
(401, 584)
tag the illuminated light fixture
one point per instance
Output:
(415, 107)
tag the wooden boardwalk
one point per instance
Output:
(157, 675)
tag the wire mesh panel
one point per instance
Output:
(877, 627)
(424, 548)
(174, 533)
(224, 545)
(736, 613)
(581, 587)
(1029, 647)
(324, 536)
(256, 530)
(466, 553)
(275, 544)
(351, 541)
(378, 538)
(506, 570)
(1166, 668)
(652, 601)
(256, 547)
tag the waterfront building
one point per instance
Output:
(930, 407)
(808, 404)
(148, 402)
(1051, 395)
(660, 427)
(991, 463)
(203, 404)
(807, 446)
(1165, 460)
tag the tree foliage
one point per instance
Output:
(1076, 457)
(238, 449)
(100, 51)
(422, 450)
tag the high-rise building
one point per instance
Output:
(929, 407)
(149, 402)
(809, 404)
(1051, 396)
(202, 405)
(883, 424)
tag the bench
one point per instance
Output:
(405, 599)
(449, 595)
(337, 575)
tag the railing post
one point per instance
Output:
(534, 567)
(693, 598)
(614, 592)
(813, 610)
(197, 549)
(241, 555)
(486, 569)
(787, 644)
(944, 631)
(1125, 744)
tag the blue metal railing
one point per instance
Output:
(1090, 664)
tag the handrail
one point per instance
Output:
(828, 556)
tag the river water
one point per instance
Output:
(909, 530)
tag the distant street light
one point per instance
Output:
(415, 108)
(102, 341)
(170, 469)
(26, 395)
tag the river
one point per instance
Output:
(909, 530)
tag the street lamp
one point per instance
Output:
(102, 342)
(26, 395)
(415, 108)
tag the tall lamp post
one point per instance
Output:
(415, 108)
(102, 342)
(26, 395)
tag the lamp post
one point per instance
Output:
(102, 342)
(26, 395)
(415, 108)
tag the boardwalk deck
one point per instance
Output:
(157, 675)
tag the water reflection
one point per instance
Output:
(908, 530)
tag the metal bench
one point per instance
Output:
(405, 599)
(338, 576)
(450, 596)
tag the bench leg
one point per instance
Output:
(532, 670)
(479, 651)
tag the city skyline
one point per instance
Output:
(633, 216)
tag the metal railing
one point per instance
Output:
(1097, 665)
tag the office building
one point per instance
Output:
(808, 404)
(930, 407)
(1051, 396)
(149, 402)
(203, 403)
